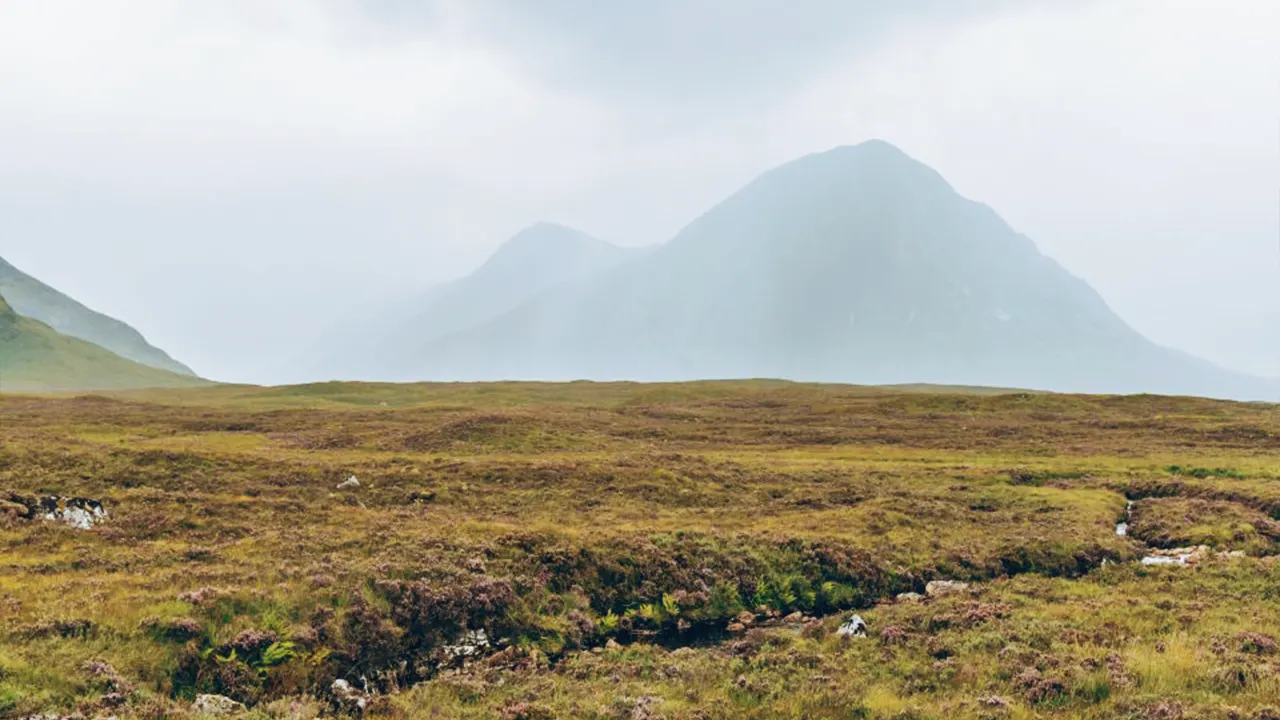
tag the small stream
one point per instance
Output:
(1122, 527)
(1177, 557)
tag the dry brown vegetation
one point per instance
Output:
(608, 538)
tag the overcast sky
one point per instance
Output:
(233, 177)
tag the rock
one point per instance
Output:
(794, 618)
(348, 696)
(1178, 557)
(939, 588)
(217, 706)
(350, 483)
(854, 627)
(76, 512)
(736, 628)
(909, 597)
(472, 642)
(612, 645)
(746, 618)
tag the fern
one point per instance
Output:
(608, 622)
(670, 607)
(277, 654)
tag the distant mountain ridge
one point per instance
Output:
(538, 259)
(857, 265)
(36, 358)
(33, 299)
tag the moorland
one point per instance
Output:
(621, 550)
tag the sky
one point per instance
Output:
(241, 180)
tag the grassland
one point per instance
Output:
(34, 357)
(639, 551)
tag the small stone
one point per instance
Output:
(737, 628)
(350, 483)
(217, 706)
(794, 618)
(909, 597)
(612, 645)
(348, 695)
(939, 588)
(746, 618)
(854, 627)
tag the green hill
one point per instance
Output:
(36, 358)
(31, 298)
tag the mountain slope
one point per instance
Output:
(32, 298)
(36, 358)
(535, 260)
(855, 265)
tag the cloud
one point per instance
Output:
(160, 92)
(229, 176)
(703, 52)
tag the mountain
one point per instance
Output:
(537, 259)
(32, 298)
(860, 265)
(36, 358)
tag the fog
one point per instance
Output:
(238, 179)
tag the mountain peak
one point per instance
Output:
(873, 145)
(877, 157)
(545, 235)
(544, 245)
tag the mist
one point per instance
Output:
(247, 182)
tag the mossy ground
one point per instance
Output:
(560, 517)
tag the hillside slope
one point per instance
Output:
(36, 358)
(539, 258)
(32, 298)
(855, 265)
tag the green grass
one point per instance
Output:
(607, 536)
(36, 358)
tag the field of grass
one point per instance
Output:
(639, 551)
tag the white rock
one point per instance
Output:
(348, 695)
(909, 597)
(853, 627)
(78, 513)
(350, 483)
(938, 588)
(217, 706)
(471, 643)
